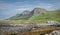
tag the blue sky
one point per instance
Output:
(10, 8)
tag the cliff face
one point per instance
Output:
(38, 11)
(27, 14)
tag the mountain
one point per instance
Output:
(38, 15)
(47, 16)
(27, 14)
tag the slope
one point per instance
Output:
(47, 16)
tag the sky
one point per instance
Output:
(10, 8)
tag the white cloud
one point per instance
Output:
(50, 5)
(22, 9)
(20, 6)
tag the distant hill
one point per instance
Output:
(27, 14)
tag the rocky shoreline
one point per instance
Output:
(27, 27)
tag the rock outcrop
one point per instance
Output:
(38, 11)
(26, 12)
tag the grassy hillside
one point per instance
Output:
(47, 16)
(21, 16)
